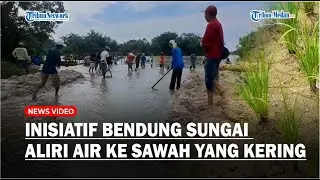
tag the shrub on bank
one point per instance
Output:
(9, 69)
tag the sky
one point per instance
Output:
(126, 20)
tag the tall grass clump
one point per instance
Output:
(292, 37)
(307, 51)
(308, 54)
(288, 122)
(308, 7)
(255, 89)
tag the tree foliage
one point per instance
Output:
(15, 29)
(36, 35)
(95, 42)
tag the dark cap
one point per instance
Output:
(212, 10)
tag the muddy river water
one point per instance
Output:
(126, 97)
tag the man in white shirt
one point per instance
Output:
(21, 54)
(103, 61)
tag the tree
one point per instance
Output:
(14, 28)
(161, 43)
(91, 43)
(190, 43)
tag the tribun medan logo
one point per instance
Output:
(257, 15)
(32, 16)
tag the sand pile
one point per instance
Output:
(23, 85)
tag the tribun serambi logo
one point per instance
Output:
(257, 15)
(32, 16)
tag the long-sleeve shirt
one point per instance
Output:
(20, 53)
(177, 59)
(213, 40)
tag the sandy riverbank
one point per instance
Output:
(190, 104)
(24, 85)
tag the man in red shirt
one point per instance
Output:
(212, 44)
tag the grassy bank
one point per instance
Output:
(272, 88)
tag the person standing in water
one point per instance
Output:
(96, 61)
(143, 60)
(193, 59)
(103, 61)
(92, 63)
(151, 60)
(212, 44)
(177, 65)
(21, 54)
(53, 60)
(138, 57)
(162, 61)
(130, 59)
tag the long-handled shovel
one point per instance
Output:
(161, 79)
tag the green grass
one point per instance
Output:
(292, 37)
(288, 122)
(307, 52)
(255, 89)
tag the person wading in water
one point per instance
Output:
(130, 58)
(193, 59)
(103, 61)
(53, 60)
(162, 61)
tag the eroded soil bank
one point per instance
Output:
(24, 85)
(190, 105)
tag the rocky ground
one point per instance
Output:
(24, 85)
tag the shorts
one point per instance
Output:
(211, 73)
(161, 65)
(92, 65)
(54, 78)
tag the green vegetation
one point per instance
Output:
(288, 122)
(291, 37)
(9, 69)
(255, 90)
(15, 29)
(307, 50)
(94, 42)
(309, 55)
(309, 7)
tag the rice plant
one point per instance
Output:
(288, 122)
(308, 54)
(308, 7)
(255, 89)
(292, 36)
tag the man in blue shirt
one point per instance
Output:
(53, 60)
(177, 65)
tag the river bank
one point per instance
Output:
(267, 73)
(25, 84)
